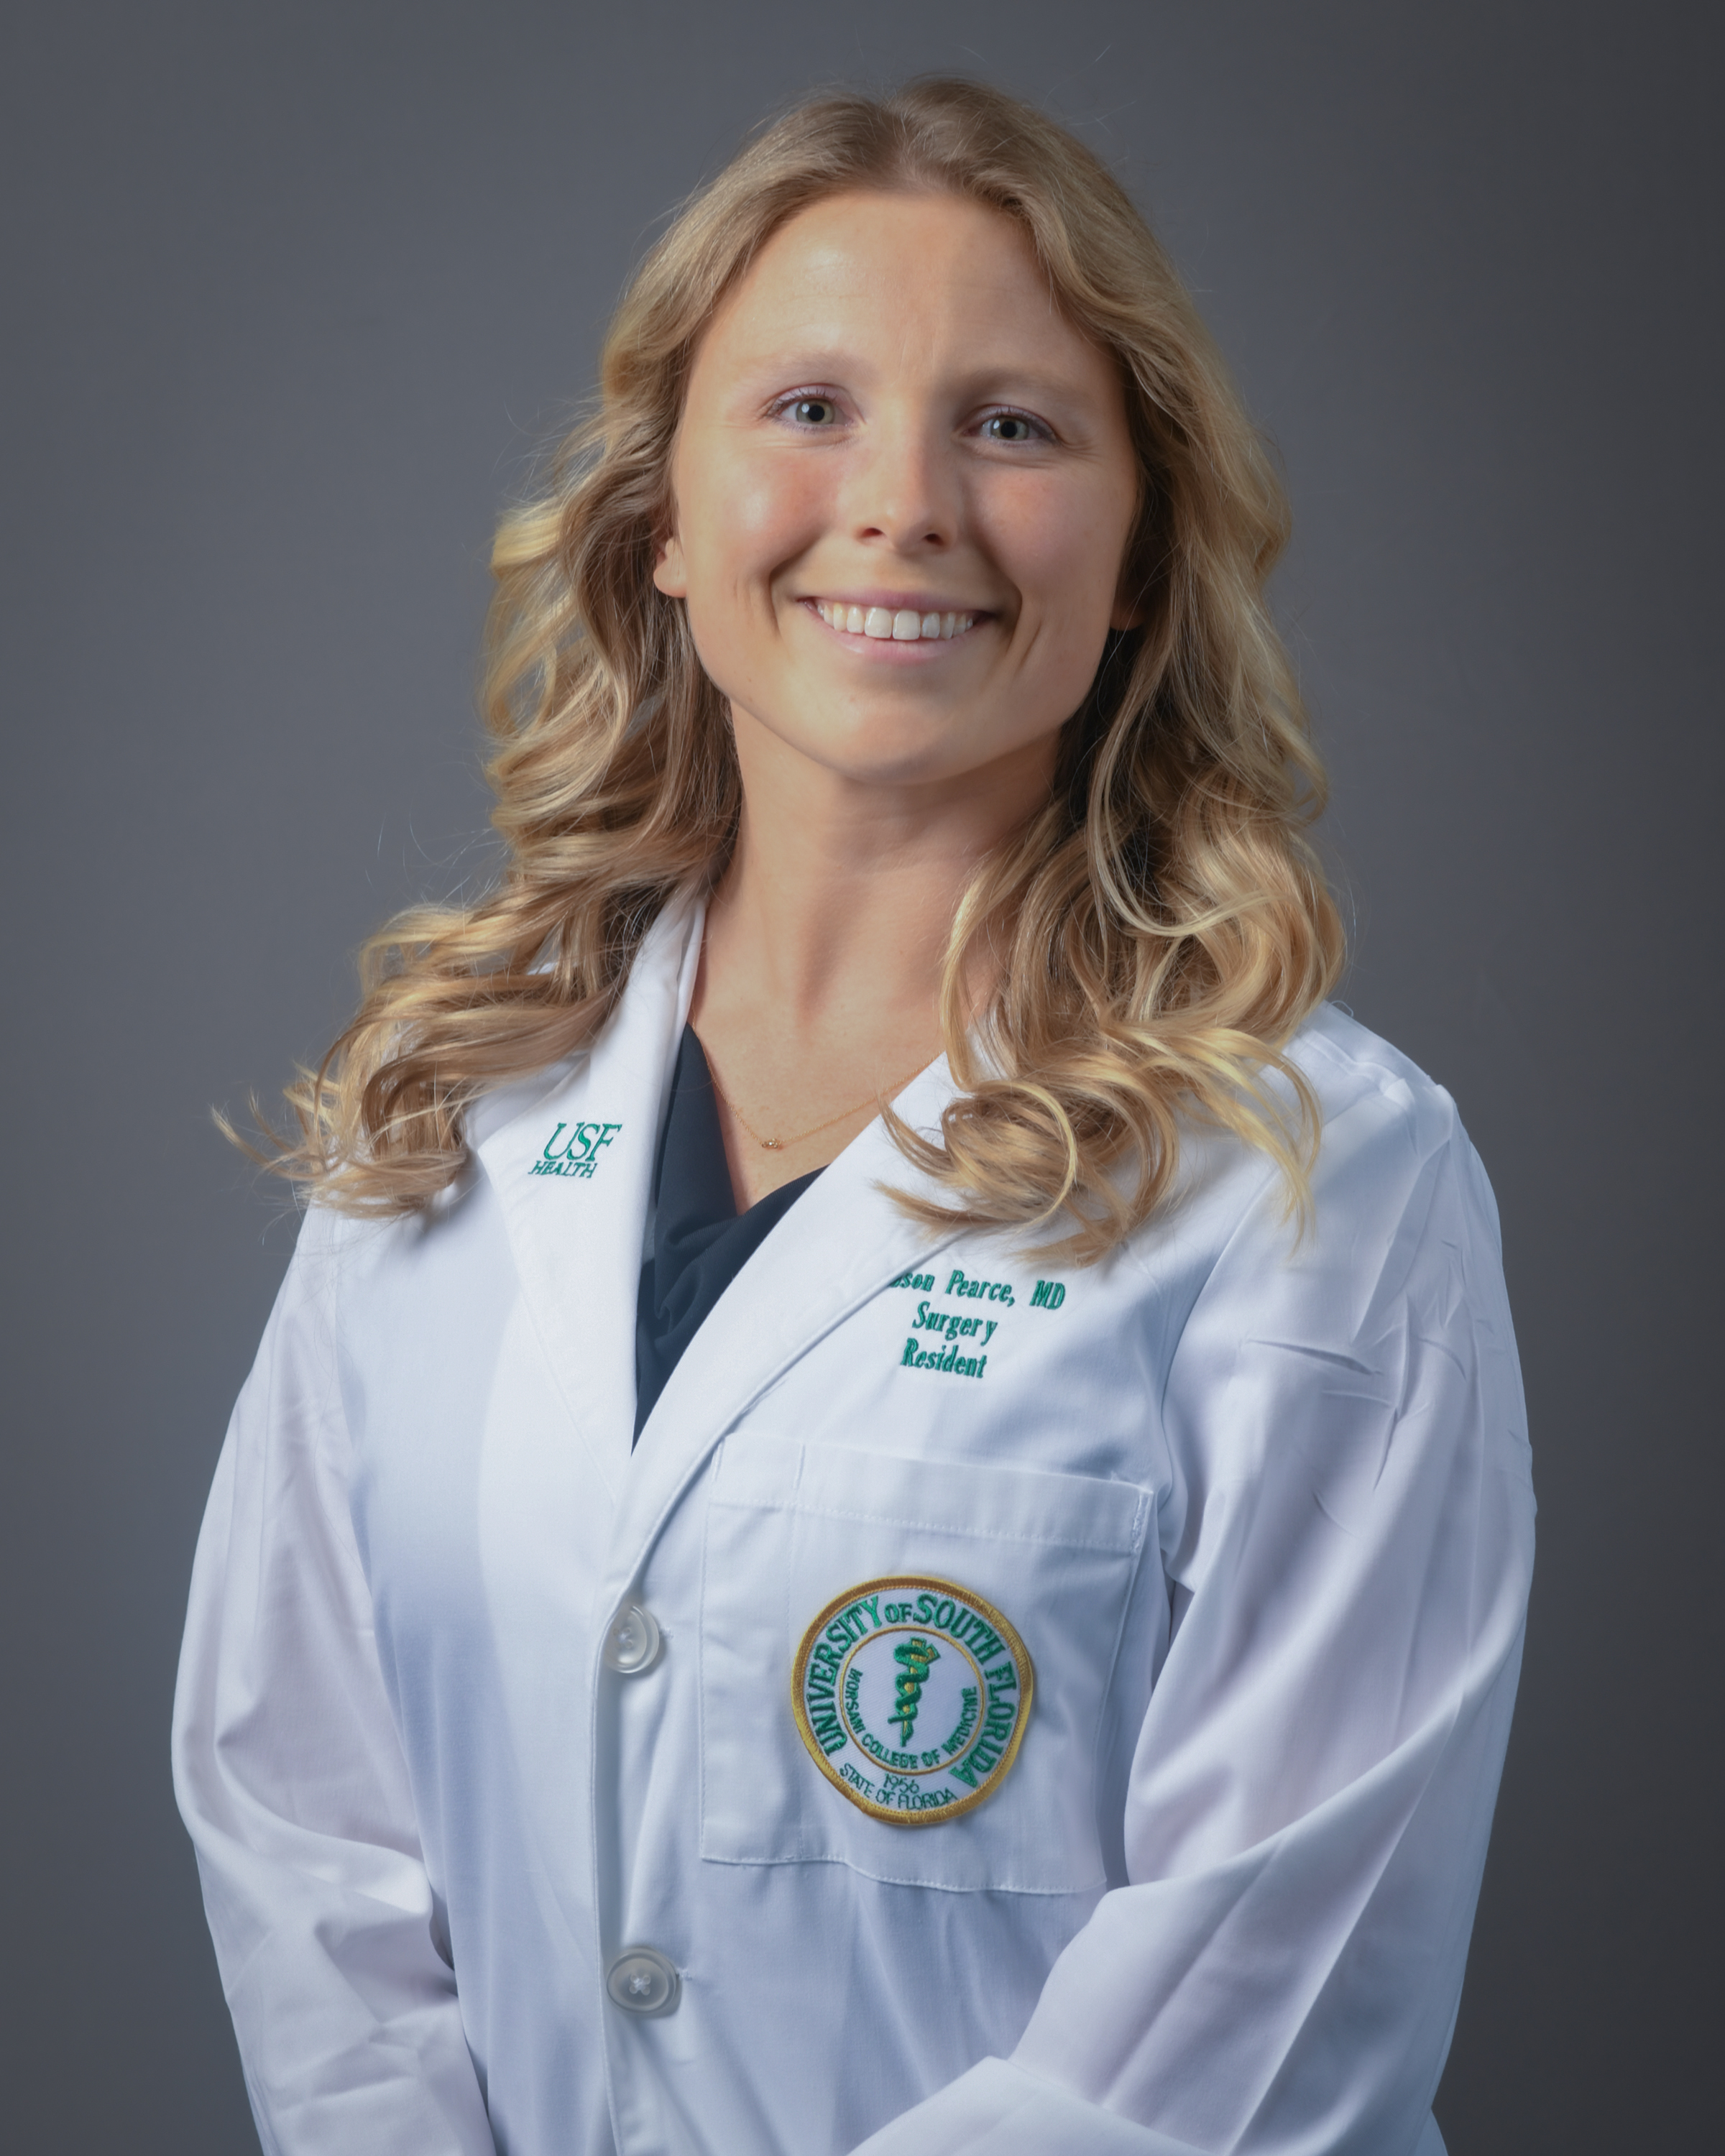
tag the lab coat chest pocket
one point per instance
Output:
(790, 1526)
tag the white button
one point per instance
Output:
(641, 1980)
(633, 1642)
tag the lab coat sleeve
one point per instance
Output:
(291, 1780)
(1349, 1537)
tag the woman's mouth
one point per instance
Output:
(894, 624)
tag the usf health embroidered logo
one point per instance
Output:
(574, 1148)
(911, 1696)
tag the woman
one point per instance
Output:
(737, 1617)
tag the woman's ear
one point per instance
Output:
(669, 572)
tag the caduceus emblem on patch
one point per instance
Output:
(912, 1695)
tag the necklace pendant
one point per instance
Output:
(771, 1145)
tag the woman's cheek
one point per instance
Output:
(1065, 566)
(761, 519)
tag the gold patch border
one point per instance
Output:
(1026, 1686)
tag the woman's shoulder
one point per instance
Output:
(1349, 1066)
(1384, 1120)
(1384, 1124)
(1389, 1142)
(331, 1234)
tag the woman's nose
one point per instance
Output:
(902, 488)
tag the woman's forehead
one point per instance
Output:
(861, 236)
(903, 279)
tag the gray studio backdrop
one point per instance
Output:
(293, 292)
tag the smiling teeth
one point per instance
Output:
(906, 626)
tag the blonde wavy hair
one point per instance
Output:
(1156, 931)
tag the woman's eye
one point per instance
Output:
(812, 411)
(1011, 427)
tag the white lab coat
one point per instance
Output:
(1260, 1511)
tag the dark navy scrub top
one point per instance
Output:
(700, 1242)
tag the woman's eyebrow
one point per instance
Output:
(1014, 378)
(803, 363)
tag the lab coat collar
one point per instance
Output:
(576, 1238)
(578, 1245)
(842, 1241)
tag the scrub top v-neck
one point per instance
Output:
(700, 1242)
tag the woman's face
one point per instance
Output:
(903, 487)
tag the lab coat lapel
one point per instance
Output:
(573, 1175)
(841, 1242)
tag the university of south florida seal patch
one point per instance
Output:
(912, 1695)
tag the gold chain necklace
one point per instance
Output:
(778, 1145)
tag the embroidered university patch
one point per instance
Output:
(912, 1695)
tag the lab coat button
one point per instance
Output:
(641, 1980)
(634, 1642)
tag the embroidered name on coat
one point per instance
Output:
(959, 1347)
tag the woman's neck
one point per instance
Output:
(826, 938)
